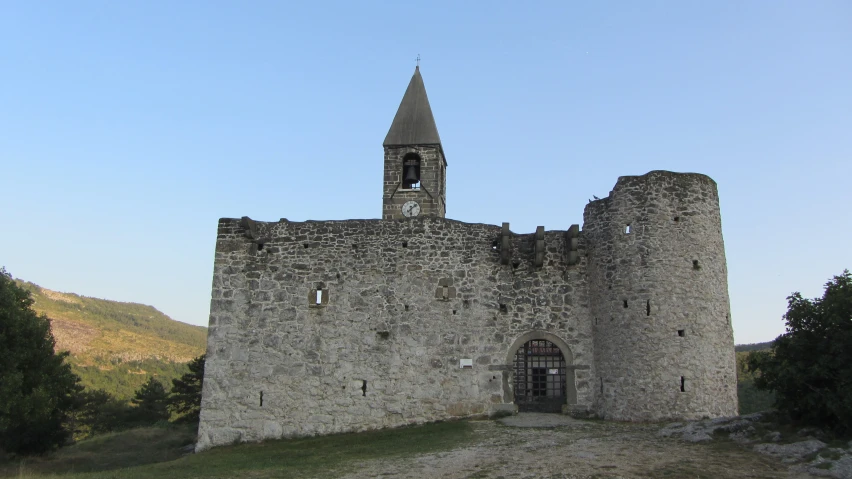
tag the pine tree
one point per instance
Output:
(37, 387)
(185, 397)
(98, 412)
(151, 401)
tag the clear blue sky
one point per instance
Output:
(128, 128)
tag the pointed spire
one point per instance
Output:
(413, 123)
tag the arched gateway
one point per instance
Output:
(543, 376)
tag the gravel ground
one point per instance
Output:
(553, 446)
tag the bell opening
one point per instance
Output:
(411, 172)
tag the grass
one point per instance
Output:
(108, 451)
(752, 399)
(152, 452)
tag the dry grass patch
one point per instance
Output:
(145, 453)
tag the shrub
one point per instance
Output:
(810, 366)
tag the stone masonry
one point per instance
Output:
(660, 300)
(323, 327)
(433, 170)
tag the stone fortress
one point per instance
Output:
(324, 327)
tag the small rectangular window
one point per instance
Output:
(318, 296)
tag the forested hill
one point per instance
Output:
(115, 346)
(741, 348)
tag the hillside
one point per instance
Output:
(742, 348)
(115, 346)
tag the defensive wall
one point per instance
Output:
(331, 326)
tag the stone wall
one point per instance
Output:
(663, 340)
(401, 303)
(334, 326)
(432, 193)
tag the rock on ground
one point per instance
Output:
(791, 452)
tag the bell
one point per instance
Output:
(411, 176)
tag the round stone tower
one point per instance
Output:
(657, 276)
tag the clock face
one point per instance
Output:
(410, 209)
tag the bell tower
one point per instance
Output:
(415, 167)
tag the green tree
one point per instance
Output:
(151, 401)
(97, 412)
(37, 387)
(810, 366)
(185, 397)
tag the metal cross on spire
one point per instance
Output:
(418, 60)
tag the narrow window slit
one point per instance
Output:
(601, 385)
(364, 388)
(406, 307)
(319, 295)
(625, 303)
(648, 308)
(682, 384)
(261, 399)
(627, 230)
(405, 244)
(260, 246)
(681, 332)
(695, 264)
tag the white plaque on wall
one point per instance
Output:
(465, 363)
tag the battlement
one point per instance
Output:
(488, 242)
(687, 187)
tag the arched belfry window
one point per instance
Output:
(411, 171)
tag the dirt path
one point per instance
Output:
(552, 446)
